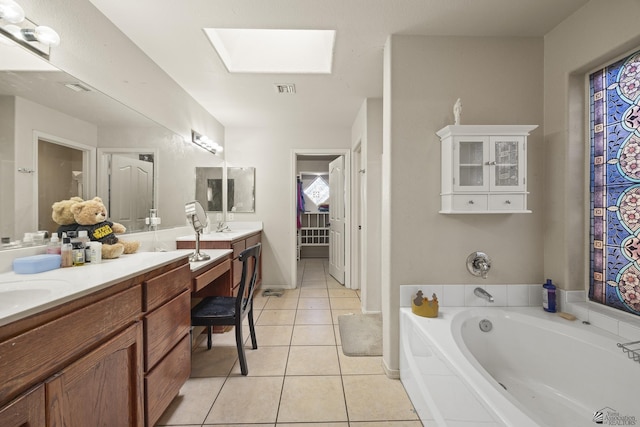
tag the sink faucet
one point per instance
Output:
(479, 292)
(222, 226)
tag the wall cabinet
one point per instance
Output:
(484, 168)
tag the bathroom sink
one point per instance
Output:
(19, 295)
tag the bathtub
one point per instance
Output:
(531, 369)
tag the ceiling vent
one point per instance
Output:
(285, 88)
(77, 87)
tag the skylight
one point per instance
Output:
(274, 51)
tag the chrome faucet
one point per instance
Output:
(479, 264)
(479, 292)
(222, 226)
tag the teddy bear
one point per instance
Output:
(62, 215)
(91, 215)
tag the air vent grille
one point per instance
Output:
(285, 88)
(77, 87)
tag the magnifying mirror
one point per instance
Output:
(198, 219)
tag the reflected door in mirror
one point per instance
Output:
(130, 191)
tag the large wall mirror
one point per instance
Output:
(236, 184)
(241, 187)
(209, 191)
(60, 138)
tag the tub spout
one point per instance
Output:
(479, 292)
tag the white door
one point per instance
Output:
(130, 191)
(337, 219)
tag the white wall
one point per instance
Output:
(366, 132)
(96, 52)
(29, 118)
(93, 50)
(500, 81)
(270, 151)
(595, 35)
(7, 164)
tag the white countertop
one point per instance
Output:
(22, 295)
(221, 236)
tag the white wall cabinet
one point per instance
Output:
(484, 168)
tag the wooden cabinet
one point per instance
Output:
(103, 388)
(115, 357)
(484, 168)
(27, 410)
(227, 286)
(167, 321)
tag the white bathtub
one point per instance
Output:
(532, 369)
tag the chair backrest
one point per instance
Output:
(248, 279)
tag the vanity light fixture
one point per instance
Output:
(15, 26)
(11, 12)
(205, 142)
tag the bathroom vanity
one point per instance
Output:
(237, 241)
(113, 346)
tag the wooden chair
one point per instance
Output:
(231, 311)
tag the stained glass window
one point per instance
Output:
(614, 124)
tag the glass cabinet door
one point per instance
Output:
(507, 164)
(470, 170)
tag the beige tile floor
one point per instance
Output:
(298, 376)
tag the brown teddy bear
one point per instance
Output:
(91, 215)
(62, 215)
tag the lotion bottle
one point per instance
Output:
(66, 251)
(549, 297)
(53, 247)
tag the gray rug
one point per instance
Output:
(361, 334)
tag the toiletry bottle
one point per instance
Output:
(549, 297)
(53, 247)
(77, 247)
(84, 238)
(66, 251)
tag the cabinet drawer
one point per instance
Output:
(470, 202)
(163, 383)
(506, 202)
(209, 276)
(166, 286)
(165, 326)
(26, 410)
(252, 240)
(238, 247)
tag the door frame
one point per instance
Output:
(88, 165)
(293, 207)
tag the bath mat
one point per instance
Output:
(361, 334)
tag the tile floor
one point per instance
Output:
(298, 376)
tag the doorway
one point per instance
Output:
(312, 229)
(64, 170)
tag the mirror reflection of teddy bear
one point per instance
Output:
(91, 215)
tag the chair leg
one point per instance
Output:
(209, 339)
(239, 344)
(252, 329)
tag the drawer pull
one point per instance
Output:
(507, 202)
(470, 202)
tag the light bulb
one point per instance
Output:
(11, 11)
(47, 35)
